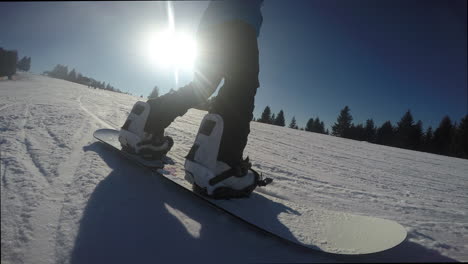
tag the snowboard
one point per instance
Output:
(313, 228)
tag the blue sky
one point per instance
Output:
(316, 56)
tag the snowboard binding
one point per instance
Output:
(213, 178)
(135, 140)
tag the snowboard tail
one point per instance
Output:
(317, 229)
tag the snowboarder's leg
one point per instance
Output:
(166, 108)
(235, 100)
(146, 136)
(215, 164)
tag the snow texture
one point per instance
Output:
(67, 199)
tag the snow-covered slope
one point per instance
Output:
(66, 198)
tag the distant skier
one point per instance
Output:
(227, 41)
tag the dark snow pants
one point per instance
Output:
(228, 51)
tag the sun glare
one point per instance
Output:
(172, 49)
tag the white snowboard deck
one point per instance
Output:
(328, 231)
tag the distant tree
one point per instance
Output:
(293, 123)
(72, 76)
(443, 136)
(416, 136)
(279, 120)
(357, 132)
(427, 140)
(310, 125)
(266, 116)
(59, 72)
(154, 93)
(385, 134)
(272, 119)
(315, 125)
(319, 126)
(24, 64)
(79, 78)
(370, 131)
(343, 123)
(461, 138)
(20, 64)
(403, 131)
(352, 133)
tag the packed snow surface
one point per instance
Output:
(65, 197)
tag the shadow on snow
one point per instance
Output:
(134, 217)
(130, 218)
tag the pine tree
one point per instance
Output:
(79, 78)
(453, 147)
(59, 72)
(442, 136)
(416, 136)
(359, 132)
(293, 123)
(427, 140)
(266, 116)
(322, 127)
(462, 137)
(24, 64)
(316, 125)
(403, 131)
(310, 125)
(370, 131)
(279, 120)
(72, 76)
(343, 123)
(154, 93)
(28, 64)
(385, 134)
(272, 119)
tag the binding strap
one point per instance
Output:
(223, 176)
(241, 171)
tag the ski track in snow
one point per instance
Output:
(51, 169)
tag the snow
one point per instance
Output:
(67, 199)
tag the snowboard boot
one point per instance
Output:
(133, 138)
(238, 182)
(214, 178)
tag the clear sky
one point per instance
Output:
(316, 56)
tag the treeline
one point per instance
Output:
(449, 138)
(313, 125)
(61, 72)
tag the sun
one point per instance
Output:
(171, 49)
